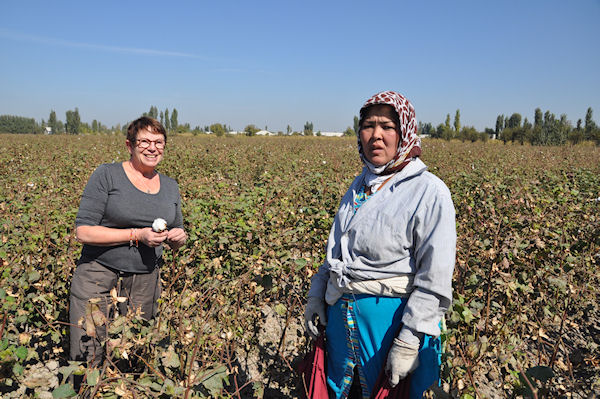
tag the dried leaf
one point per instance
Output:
(94, 317)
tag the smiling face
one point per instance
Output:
(380, 134)
(146, 159)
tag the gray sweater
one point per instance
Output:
(111, 200)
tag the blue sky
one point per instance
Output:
(274, 63)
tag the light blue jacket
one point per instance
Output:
(405, 228)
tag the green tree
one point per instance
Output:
(590, 125)
(447, 133)
(349, 131)
(167, 123)
(73, 121)
(469, 133)
(288, 129)
(356, 124)
(514, 121)
(251, 130)
(174, 122)
(526, 132)
(506, 135)
(308, 129)
(18, 124)
(499, 125)
(162, 118)
(439, 131)
(52, 122)
(217, 129)
(538, 118)
(554, 131)
(457, 121)
(425, 129)
(577, 135)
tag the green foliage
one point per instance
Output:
(53, 122)
(469, 133)
(174, 122)
(167, 122)
(18, 124)
(251, 130)
(217, 129)
(73, 123)
(457, 121)
(349, 132)
(308, 129)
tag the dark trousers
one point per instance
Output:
(92, 280)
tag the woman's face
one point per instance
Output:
(379, 134)
(149, 157)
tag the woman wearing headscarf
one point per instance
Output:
(122, 252)
(387, 278)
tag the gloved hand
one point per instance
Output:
(402, 360)
(315, 307)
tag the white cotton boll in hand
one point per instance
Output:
(159, 225)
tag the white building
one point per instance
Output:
(332, 134)
(264, 133)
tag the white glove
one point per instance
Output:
(402, 360)
(315, 307)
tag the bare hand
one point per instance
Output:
(176, 237)
(151, 238)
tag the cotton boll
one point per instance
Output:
(159, 225)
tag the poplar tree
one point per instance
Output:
(537, 121)
(73, 121)
(499, 125)
(167, 120)
(174, 123)
(457, 121)
(52, 123)
(308, 129)
(590, 125)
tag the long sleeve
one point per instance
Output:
(435, 251)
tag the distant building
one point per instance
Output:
(332, 134)
(47, 130)
(264, 133)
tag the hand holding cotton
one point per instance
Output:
(159, 225)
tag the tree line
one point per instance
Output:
(546, 128)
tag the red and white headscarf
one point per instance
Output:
(409, 145)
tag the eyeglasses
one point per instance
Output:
(143, 143)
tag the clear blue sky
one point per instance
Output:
(276, 63)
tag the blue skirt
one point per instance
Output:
(360, 331)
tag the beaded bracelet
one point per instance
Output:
(133, 235)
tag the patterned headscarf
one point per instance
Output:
(409, 145)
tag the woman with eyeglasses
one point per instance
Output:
(121, 251)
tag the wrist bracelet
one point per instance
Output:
(132, 236)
